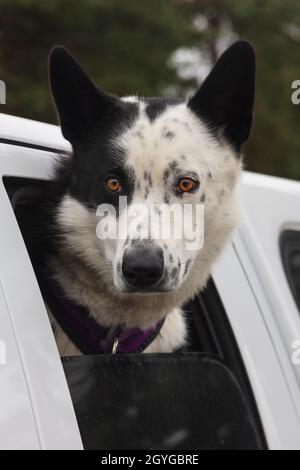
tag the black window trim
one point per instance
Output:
(44, 148)
(289, 239)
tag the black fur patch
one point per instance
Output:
(187, 268)
(168, 134)
(146, 193)
(98, 160)
(148, 178)
(139, 135)
(156, 106)
(166, 198)
(90, 119)
(174, 273)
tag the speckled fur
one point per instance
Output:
(157, 142)
(87, 267)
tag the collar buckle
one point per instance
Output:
(115, 345)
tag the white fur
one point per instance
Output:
(172, 335)
(87, 267)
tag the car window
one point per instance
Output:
(165, 402)
(197, 398)
(290, 252)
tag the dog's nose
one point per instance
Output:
(143, 267)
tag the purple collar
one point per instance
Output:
(86, 333)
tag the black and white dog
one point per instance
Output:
(125, 294)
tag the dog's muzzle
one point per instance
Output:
(143, 268)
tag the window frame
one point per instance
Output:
(219, 341)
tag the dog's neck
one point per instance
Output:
(88, 288)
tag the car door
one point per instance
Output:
(35, 406)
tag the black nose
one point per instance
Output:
(143, 267)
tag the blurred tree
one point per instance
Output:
(273, 27)
(153, 47)
(123, 45)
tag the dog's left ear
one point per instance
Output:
(225, 100)
(80, 104)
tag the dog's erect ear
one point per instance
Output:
(226, 99)
(79, 103)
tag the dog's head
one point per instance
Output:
(158, 153)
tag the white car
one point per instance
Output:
(248, 320)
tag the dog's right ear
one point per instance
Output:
(225, 100)
(79, 103)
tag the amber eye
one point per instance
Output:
(186, 185)
(113, 185)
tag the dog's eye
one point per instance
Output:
(113, 185)
(186, 185)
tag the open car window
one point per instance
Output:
(290, 252)
(198, 398)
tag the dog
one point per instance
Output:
(150, 151)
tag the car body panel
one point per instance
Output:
(32, 133)
(249, 277)
(17, 423)
(270, 384)
(271, 206)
